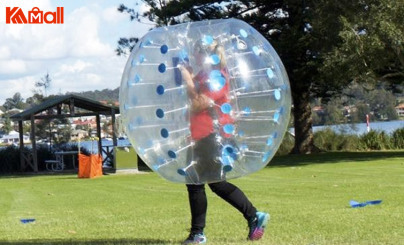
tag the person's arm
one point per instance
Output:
(187, 77)
(199, 102)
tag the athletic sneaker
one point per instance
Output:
(195, 238)
(257, 226)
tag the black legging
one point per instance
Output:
(227, 191)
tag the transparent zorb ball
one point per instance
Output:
(241, 76)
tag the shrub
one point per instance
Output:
(9, 159)
(328, 140)
(286, 145)
(350, 143)
(376, 140)
(397, 138)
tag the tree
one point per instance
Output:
(35, 99)
(382, 103)
(305, 34)
(15, 102)
(106, 127)
(7, 127)
(56, 130)
(45, 82)
(372, 47)
(359, 115)
(334, 112)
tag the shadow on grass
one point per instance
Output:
(332, 157)
(89, 242)
(15, 175)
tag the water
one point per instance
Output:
(360, 128)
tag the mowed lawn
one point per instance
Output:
(307, 197)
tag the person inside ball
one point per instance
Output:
(208, 90)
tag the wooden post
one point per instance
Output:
(71, 107)
(59, 109)
(99, 134)
(33, 140)
(21, 131)
(114, 140)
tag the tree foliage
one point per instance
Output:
(44, 83)
(372, 44)
(7, 127)
(14, 102)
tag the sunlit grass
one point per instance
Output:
(307, 196)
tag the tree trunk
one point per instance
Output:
(304, 142)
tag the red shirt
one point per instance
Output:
(202, 121)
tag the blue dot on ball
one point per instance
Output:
(241, 133)
(140, 150)
(217, 83)
(226, 108)
(162, 68)
(137, 78)
(243, 33)
(229, 149)
(277, 94)
(247, 111)
(207, 40)
(141, 58)
(164, 133)
(266, 156)
(172, 154)
(256, 50)
(214, 59)
(214, 74)
(270, 73)
(276, 116)
(269, 141)
(228, 128)
(160, 113)
(164, 49)
(160, 89)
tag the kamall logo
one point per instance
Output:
(35, 16)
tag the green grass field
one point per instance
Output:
(307, 196)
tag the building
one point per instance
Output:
(400, 110)
(78, 134)
(13, 138)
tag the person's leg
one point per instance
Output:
(198, 204)
(233, 195)
(257, 221)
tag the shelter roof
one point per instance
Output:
(94, 107)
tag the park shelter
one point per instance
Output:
(58, 107)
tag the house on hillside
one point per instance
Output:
(78, 134)
(400, 110)
(13, 138)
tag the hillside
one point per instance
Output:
(100, 95)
